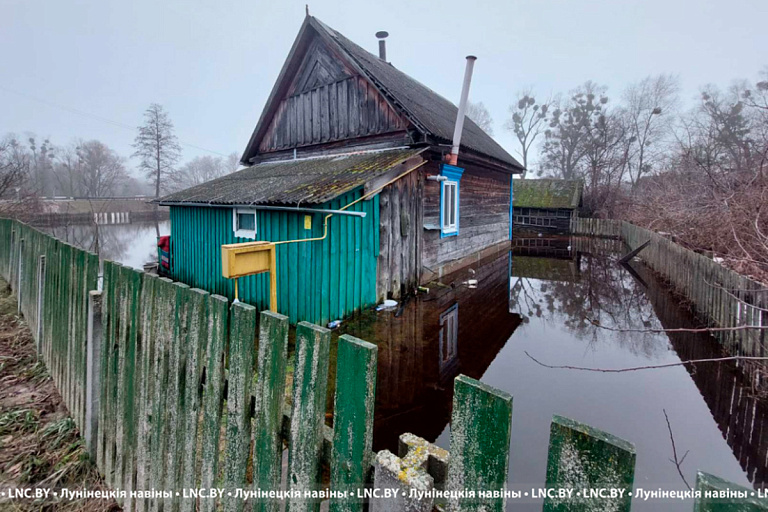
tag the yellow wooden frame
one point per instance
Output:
(250, 258)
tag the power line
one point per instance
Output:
(97, 118)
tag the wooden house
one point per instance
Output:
(546, 204)
(347, 137)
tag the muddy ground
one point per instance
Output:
(40, 446)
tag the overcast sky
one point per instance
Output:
(89, 69)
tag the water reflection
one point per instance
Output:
(575, 282)
(559, 299)
(130, 244)
(457, 328)
(740, 414)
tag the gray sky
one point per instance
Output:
(213, 63)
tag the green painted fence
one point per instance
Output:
(317, 281)
(51, 280)
(191, 395)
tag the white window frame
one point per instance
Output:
(447, 227)
(449, 336)
(244, 233)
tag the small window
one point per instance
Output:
(449, 336)
(244, 223)
(450, 208)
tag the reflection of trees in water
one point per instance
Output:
(599, 290)
(108, 241)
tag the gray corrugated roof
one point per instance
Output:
(427, 108)
(308, 181)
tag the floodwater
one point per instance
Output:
(538, 302)
(130, 244)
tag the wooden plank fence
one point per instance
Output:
(51, 280)
(191, 396)
(720, 296)
(606, 228)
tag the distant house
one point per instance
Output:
(344, 134)
(546, 204)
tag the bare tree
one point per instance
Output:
(604, 164)
(202, 169)
(157, 147)
(14, 168)
(67, 170)
(41, 166)
(527, 121)
(648, 114)
(480, 115)
(102, 170)
(570, 124)
(232, 162)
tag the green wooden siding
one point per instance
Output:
(316, 282)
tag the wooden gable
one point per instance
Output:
(325, 100)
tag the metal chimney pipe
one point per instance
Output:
(453, 159)
(382, 35)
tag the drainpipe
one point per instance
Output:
(453, 158)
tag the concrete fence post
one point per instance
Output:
(20, 276)
(93, 372)
(40, 300)
(420, 468)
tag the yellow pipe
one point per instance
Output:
(374, 191)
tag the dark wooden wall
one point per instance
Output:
(543, 219)
(401, 217)
(328, 102)
(483, 215)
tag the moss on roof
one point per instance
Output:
(547, 193)
(302, 181)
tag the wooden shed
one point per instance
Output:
(546, 204)
(347, 136)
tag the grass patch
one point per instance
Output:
(40, 445)
(18, 421)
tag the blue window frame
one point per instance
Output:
(450, 200)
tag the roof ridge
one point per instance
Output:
(330, 156)
(471, 129)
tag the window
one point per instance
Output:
(244, 223)
(450, 206)
(449, 200)
(449, 336)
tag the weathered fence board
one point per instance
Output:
(720, 296)
(216, 350)
(706, 483)
(352, 419)
(270, 396)
(582, 458)
(480, 428)
(241, 356)
(606, 228)
(310, 381)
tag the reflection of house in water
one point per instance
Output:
(725, 386)
(456, 328)
(549, 259)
